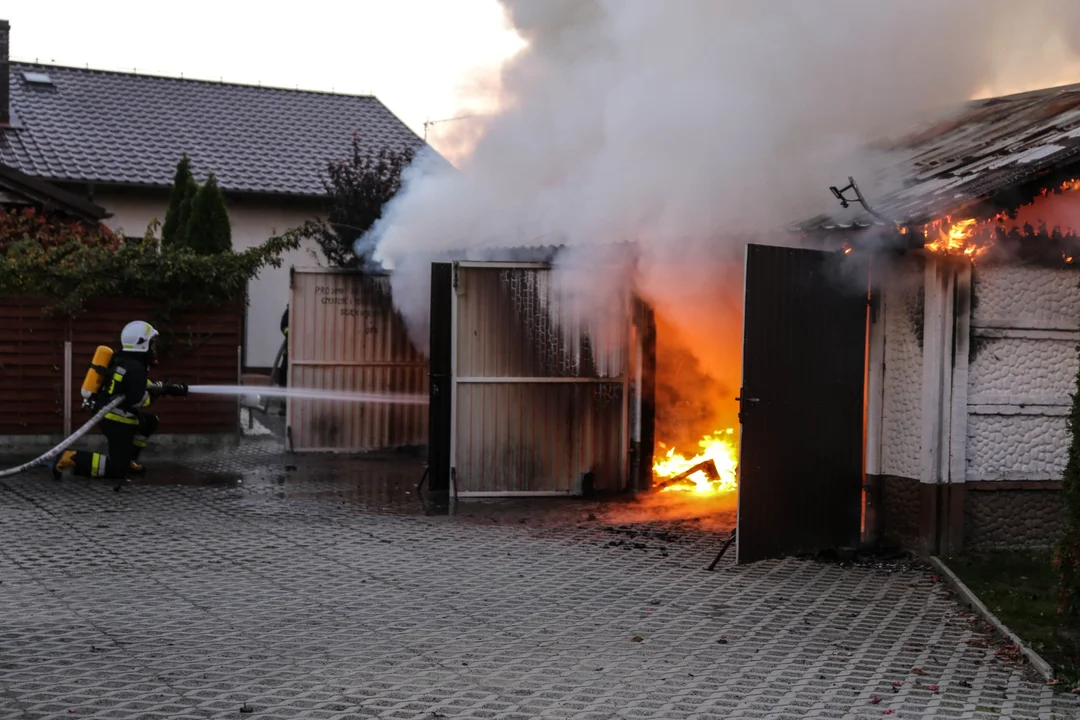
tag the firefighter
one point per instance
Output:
(283, 371)
(127, 427)
(283, 374)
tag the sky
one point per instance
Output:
(424, 59)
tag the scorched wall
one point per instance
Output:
(1025, 327)
(976, 366)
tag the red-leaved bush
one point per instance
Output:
(27, 224)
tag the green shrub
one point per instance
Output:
(73, 263)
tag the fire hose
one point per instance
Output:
(66, 443)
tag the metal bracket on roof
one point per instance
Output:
(844, 202)
(456, 278)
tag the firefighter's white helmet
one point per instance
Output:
(137, 335)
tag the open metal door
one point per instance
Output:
(801, 404)
(440, 407)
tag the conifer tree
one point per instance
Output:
(174, 217)
(208, 231)
(183, 221)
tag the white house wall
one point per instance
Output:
(1025, 327)
(903, 372)
(253, 222)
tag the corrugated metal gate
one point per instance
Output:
(539, 403)
(344, 334)
(800, 469)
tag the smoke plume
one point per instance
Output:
(683, 125)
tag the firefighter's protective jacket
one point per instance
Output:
(128, 376)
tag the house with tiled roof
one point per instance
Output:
(114, 139)
(19, 191)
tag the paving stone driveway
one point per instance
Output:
(303, 595)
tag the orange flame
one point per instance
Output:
(718, 447)
(1067, 186)
(957, 239)
(966, 237)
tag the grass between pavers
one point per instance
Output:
(1020, 588)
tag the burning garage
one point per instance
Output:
(875, 374)
(974, 324)
(906, 362)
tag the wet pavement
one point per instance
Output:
(318, 587)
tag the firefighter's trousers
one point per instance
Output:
(126, 441)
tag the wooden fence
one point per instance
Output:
(43, 361)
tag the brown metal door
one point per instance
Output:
(801, 404)
(440, 408)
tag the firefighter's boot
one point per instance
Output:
(137, 468)
(65, 460)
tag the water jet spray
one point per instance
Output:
(310, 394)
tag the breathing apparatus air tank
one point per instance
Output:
(95, 376)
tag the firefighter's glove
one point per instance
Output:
(176, 389)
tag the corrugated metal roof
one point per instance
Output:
(989, 146)
(536, 253)
(113, 127)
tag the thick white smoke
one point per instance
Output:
(678, 124)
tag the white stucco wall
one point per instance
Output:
(252, 223)
(901, 434)
(1025, 327)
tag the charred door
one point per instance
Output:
(801, 404)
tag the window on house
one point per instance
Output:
(38, 78)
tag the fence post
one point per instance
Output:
(67, 388)
(240, 398)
